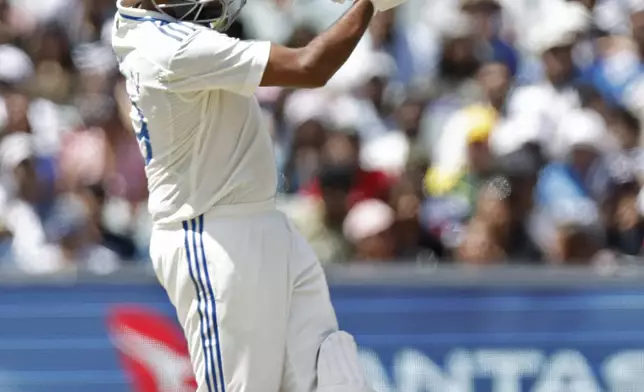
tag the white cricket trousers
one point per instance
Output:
(251, 297)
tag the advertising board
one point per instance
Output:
(414, 338)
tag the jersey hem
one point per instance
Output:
(221, 211)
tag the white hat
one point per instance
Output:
(576, 16)
(635, 5)
(304, 105)
(583, 128)
(568, 20)
(547, 37)
(15, 148)
(16, 65)
(388, 153)
(514, 132)
(448, 20)
(367, 218)
(363, 65)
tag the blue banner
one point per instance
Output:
(413, 339)
(506, 340)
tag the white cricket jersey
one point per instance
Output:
(198, 124)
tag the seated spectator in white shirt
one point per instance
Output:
(542, 106)
(26, 206)
(572, 195)
(74, 243)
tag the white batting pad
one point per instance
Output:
(339, 368)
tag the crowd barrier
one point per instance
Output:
(420, 330)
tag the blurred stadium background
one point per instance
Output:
(471, 180)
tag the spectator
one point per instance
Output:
(304, 161)
(576, 245)
(527, 113)
(495, 81)
(479, 246)
(636, 9)
(14, 24)
(626, 171)
(320, 219)
(545, 104)
(304, 136)
(74, 243)
(83, 152)
(625, 162)
(368, 227)
(388, 36)
(626, 225)
(618, 63)
(486, 16)
(28, 204)
(343, 149)
(573, 194)
(94, 197)
(519, 175)
(55, 70)
(412, 241)
(367, 106)
(408, 117)
(16, 70)
(465, 160)
(493, 207)
(16, 107)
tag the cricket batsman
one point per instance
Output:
(249, 292)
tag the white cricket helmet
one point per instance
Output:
(218, 14)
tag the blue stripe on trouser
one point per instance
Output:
(209, 299)
(203, 324)
(214, 310)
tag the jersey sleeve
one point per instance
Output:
(208, 60)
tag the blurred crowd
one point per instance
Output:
(460, 131)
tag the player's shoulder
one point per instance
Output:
(156, 29)
(178, 31)
(154, 39)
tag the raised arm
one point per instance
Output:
(205, 59)
(313, 65)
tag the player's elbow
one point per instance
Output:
(297, 68)
(313, 70)
(313, 76)
(314, 79)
